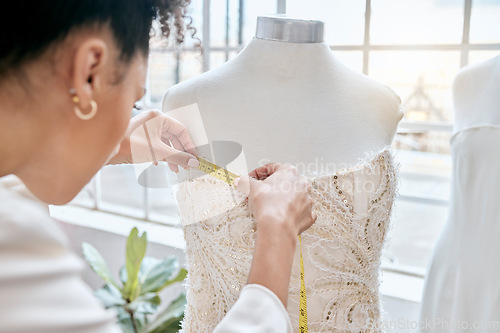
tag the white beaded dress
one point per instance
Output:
(341, 251)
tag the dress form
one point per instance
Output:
(286, 98)
(461, 288)
(475, 95)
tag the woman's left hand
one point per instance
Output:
(153, 136)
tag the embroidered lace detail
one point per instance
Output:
(342, 250)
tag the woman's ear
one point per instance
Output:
(88, 68)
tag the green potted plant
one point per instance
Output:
(136, 298)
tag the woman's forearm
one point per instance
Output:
(273, 258)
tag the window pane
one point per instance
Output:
(415, 230)
(416, 226)
(162, 74)
(485, 21)
(163, 206)
(420, 138)
(159, 183)
(168, 68)
(416, 21)
(422, 79)
(224, 23)
(344, 20)
(254, 8)
(121, 192)
(352, 59)
(191, 65)
(195, 11)
(425, 175)
(218, 58)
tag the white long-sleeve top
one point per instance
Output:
(41, 289)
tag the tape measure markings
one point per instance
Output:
(303, 298)
(216, 171)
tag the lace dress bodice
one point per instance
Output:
(341, 251)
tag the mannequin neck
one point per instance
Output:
(283, 29)
(268, 57)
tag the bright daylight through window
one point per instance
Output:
(414, 46)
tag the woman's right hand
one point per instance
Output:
(279, 197)
(279, 200)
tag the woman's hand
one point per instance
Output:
(279, 200)
(153, 136)
(279, 197)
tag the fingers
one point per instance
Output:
(177, 145)
(261, 173)
(309, 220)
(181, 149)
(175, 157)
(142, 118)
(172, 128)
(162, 138)
(245, 183)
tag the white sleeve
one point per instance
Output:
(40, 278)
(257, 310)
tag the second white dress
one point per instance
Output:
(462, 291)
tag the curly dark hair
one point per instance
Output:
(30, 27)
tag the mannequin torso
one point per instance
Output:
(468, 245)
(475, 95)
(291, 102)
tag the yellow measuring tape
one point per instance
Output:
(303, 299)
(216, 171)
(228, 177)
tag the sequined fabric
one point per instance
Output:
(342, 250)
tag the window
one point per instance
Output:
(416, 47)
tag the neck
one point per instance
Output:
(22, 131)
(288, 30)
(274, 59)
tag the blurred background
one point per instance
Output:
(414, 46)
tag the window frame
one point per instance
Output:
(465, 47)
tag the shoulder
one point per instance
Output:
(385, 109)
(25, 222)
(382, 98)
(470, 87)
(471, 80)
(196, 89)
(469, 76)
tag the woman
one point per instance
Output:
(70, 73)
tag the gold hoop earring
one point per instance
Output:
(78, 112)
(87, 116)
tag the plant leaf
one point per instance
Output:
(125, 324)
(97, 263)
(179, 278)
(158, 275)
(123, 275)
(172, 315)
(136, 249)
(125, 321)
(146, 304)
(172, 325)
(110, 296)
(148, 263)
